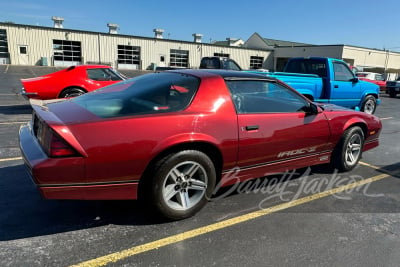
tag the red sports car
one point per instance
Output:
(171, 137)
(70, 82)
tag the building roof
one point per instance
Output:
(278, 43)
(257, 41)
(231, 42)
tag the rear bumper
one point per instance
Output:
(27, 95)
(64, 178)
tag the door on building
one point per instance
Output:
(23, 56)
(129, 57)
(4, 55)
(67, 53)
(161, 61)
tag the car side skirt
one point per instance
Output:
(121, 191)
(240, 174)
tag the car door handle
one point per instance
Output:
(336, 86)
(252, 127)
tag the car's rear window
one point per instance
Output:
(146, 94)
(307, 66)
(103, 74)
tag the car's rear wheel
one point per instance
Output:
(72, 92)
(348, 151)
(369, 104)
(182, 184)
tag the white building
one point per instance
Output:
(57, 46)
(363, 58)
(36, 45)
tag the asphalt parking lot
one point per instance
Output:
(309, 217)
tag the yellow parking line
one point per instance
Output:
(117, 256)
(368, 165)
(10, 159)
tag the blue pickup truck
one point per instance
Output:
(329, 80)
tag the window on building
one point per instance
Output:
(256, 62)
(23, 50)
(221, 55)
(128, 54)
(69, 51)
(179, 58)
(3, 44)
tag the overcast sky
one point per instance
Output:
(371, 24)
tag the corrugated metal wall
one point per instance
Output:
(103, 47)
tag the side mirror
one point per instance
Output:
(311, 109)
(355, 80)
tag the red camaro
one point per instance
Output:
(172, 137)
(70, 82)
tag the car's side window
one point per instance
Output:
(102, 74)
(342, 72)
(260, 96)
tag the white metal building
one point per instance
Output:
(56, 46)
(34, 45)
(381, 61)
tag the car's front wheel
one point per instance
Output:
(348, 151)
(72, 92)
(369, 104)
(182, 184)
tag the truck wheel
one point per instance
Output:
(392, 94)
(348, 151)
(182, 184)
(369, 104)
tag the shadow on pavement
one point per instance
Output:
(24, 213)
(16, 109)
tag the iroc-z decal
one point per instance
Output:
(297, 152)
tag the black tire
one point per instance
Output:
(348, 151)
(369, 104)
(392, 94)
(72, 92)
(182, 184)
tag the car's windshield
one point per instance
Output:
(146, 94)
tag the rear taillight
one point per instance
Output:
(59, 148)
(52, 144)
